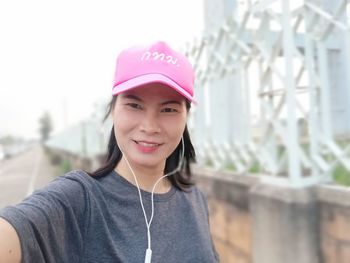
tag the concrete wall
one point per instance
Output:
(259, 223)
(334, 210)
(228, 199)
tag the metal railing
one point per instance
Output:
(273, 89)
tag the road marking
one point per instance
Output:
(35, 173)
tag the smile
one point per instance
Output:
(147, 147)
(147, 144)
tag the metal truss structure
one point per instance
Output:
(273, 87)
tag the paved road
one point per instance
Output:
(22, 174)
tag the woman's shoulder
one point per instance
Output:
(78, 176)
(81, 177)
(72, 183)
(85, 182)
(194, 192)
(196, 189)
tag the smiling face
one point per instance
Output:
(148, 123)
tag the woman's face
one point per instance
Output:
(148, 123)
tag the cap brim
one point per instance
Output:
(150, 78)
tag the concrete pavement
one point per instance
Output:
(22, 174)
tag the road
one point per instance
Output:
(22, 174)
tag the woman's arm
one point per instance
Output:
(10, 248)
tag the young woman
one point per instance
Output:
(141, 205)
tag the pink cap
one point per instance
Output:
(158, 62)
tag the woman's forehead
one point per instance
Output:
(154, 91)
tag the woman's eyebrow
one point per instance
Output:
(133, 97)
(171, 102)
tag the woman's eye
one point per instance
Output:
(169, 110)
(134, 105)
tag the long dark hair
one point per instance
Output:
(181, 180)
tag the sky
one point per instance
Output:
(59, 56)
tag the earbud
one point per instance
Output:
(148, 256)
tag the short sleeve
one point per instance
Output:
(51, 222)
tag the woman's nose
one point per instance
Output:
(150, 123)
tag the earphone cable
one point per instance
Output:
(148, 223)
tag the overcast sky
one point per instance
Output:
(56, 53)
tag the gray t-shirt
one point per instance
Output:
(78, 218)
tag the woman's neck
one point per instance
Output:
(146, 176)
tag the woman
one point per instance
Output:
(141, 205)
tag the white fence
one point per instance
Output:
(273, 86)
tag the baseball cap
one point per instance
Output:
(157, 62)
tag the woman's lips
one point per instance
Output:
(146, 146)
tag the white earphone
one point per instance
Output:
(148, 255)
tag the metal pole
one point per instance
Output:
(289, 82)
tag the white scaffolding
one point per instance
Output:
(273, 87)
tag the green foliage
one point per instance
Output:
(231, 167)
(341, 175)
(255, 168)
(64, 167)
(209, 162)
(9, 139)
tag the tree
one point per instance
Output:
(45, 126)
